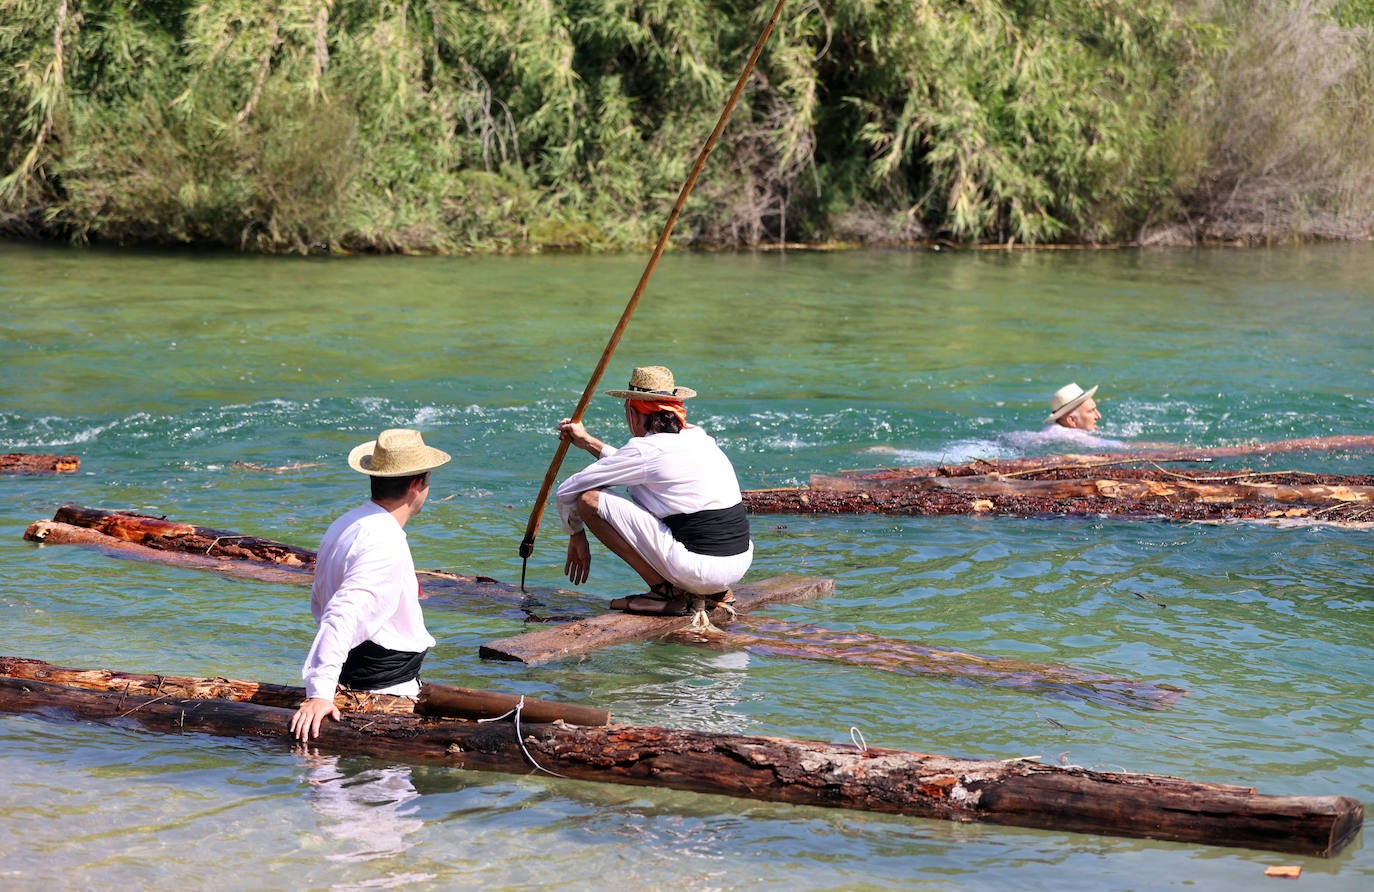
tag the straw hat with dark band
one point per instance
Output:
(652, 382)
(399, 452)
(1066, 399)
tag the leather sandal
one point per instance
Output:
(663, 599)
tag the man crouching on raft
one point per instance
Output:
(366, 596)
(683, 528)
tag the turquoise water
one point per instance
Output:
(226, 391)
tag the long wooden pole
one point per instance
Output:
(532, 528)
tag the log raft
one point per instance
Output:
(1019, 792)
(595, 633)
(38, 463)
(1081, 488)
(232, 557)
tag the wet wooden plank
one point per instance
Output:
(598, 632)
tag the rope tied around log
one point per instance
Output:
(218, 539)
(520, 737)
(701, 616)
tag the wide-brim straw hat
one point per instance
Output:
(1066, 399)
(652, 382)
(399, 452)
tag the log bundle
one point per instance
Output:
(1074, 487)
(1018, 792)
(574, 635)
(1172, 455)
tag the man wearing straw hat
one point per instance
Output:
(1074, 416)
(371, 634)
(683, 528)
(1073, 407)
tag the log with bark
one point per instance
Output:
(145, 537)
(1082, 487)
(1181, 454)
(435, 700)
(1017, 792)
(37, 463)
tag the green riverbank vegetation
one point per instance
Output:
(524, 125)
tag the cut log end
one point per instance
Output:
(38, 463)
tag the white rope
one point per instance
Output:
(701, 623)
(858, 737)
(701, 617)
(520, 737)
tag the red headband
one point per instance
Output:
(649, 407)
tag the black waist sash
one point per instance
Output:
(370, 667)
(719, 532)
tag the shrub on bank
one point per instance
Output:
(360, 125)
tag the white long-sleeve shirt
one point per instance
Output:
(665, 474)
(365, 588)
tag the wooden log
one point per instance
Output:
(51, 532)
(598, 632)
(37, 463)
(1074, 488)
(1170, 488)
(771, 638)
(1017, 792)
(455, 702)
(434, 700)
(164, 535)
(1201, 454)
(254, 564)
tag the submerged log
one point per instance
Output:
(37, 463)
(768, 638)
(1018, 792)
(598, 632)
(434, 699)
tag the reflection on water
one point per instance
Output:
(370, 811)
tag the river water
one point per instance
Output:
(226, 391)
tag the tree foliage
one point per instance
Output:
(440, 125)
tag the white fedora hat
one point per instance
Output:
(1066, 399)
